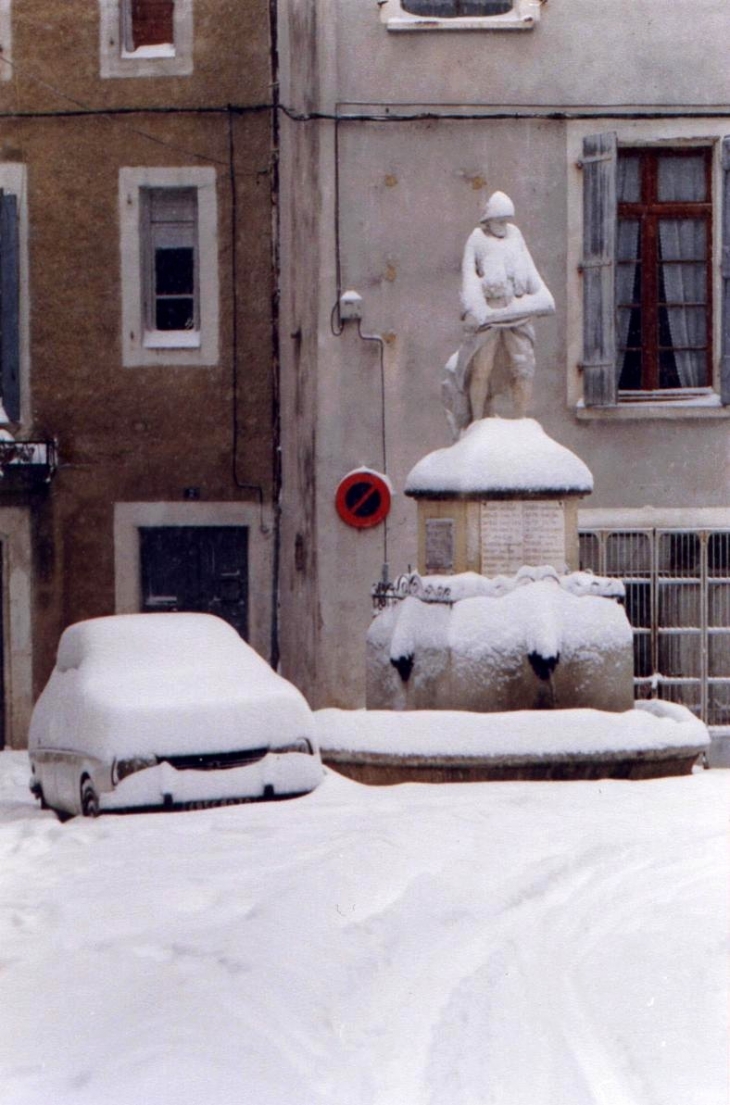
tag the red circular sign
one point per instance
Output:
(363, 499)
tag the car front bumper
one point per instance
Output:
(276, 775)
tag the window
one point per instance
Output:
(146, 38)
(169, 255)
(14, 299)
(460, 15)
(678, 602)
(147, 23)
(170, 287)
(663, 273)
(648, 273)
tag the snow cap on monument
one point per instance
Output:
(498, 206)
(500, 457)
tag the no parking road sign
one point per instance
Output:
(363, 498)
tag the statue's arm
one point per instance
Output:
(537, 299)
(472, 297)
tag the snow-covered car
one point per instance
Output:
(166, 710)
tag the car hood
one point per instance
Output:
(165, 713)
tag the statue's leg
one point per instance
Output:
(520, 345)
(455, 401)
(481, 370)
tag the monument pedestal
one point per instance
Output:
(503, 496)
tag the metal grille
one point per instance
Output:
(678, 602)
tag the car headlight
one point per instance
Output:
(122, 768)
(300, 744)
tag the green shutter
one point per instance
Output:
(9, 307)
(599, 249)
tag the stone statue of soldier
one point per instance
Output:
(501, 291)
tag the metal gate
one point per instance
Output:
(196, 568)
(678, 602)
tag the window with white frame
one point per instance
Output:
(678, 602)
(647, 270)
(169, 252)
(169, 241)
(460, 15)
(146, 38)
(14, 299)
(148, 25)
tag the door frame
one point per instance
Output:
(129, 518)
(17, 624)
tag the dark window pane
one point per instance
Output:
(630, 378)
(643, 666)
(718, 604)
(629, 178)
(718, 646)
(175, 314)
(684, 283)
(718, 556)
(680, 654)
(152, 22)
(681, 179)
(173, 205)
(638, 604)
(450, 9)
(683, 239)
(589, 552)
(686, 694)
(174, 271)
(679, 604)
(628, 241)
(718, 704)
(679, 554)
(628, 554)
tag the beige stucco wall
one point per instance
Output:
(408, 193)
(579, 54)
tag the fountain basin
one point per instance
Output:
(651, 740)
(538, 640)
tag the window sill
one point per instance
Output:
(143, 53)
(703, 405)
(172, 339)
(523, 17)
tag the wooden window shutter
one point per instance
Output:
(725, 270)
(9, 307)
(152, 22)
(599, 249)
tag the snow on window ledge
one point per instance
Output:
(160, 50)
(523, 17)
(172, 339)
(701, 404)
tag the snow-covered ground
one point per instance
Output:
(482, 944)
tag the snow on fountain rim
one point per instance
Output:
(501, 455)
(652, 726)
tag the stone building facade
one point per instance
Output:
(137, 320)
(400, 119)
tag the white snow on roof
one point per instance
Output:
(535, 733)
(501, 455)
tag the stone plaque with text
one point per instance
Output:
(515, 533)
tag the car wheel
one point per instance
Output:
(89, 799)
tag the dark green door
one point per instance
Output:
(196, 568)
